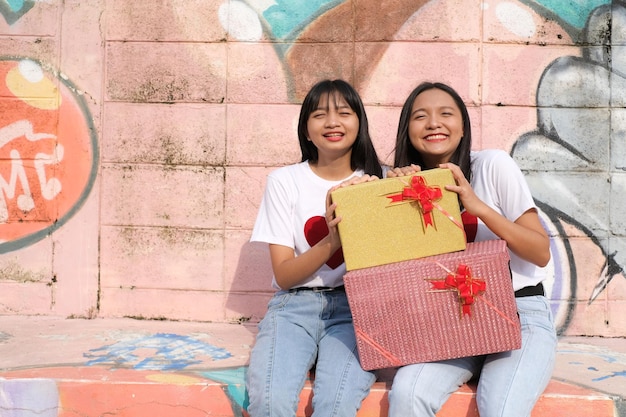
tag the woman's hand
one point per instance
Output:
(525, 236)
(404, 171)
(356, 180)
(472, 204)
(331, 219)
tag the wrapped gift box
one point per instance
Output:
(397, 219)
(435, 308)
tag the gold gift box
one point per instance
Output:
(398, 219)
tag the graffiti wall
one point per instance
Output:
(135, 138)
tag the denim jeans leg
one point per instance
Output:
(512, 382)
(341, 384)
(420, 390)
(283, 353)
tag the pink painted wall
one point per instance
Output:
(136, 138)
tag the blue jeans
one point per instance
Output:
(302, 329)
(509, 385)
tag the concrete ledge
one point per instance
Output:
(94, 392)
(559, 399)
(51, 367)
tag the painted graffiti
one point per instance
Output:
(161, 351)
(13, 10)
(589, 103)
(234, 385)
(573, 162)
(43, 396)
(579, 132)
(162, 358)
(48, 151)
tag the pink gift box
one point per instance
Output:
(439, 307)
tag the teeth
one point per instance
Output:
(435, 137)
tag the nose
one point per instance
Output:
(433, 122)
(332, 119)
(332, 122)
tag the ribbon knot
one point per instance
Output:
(466, 286)
(422, 194)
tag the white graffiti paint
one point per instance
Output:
(30, 70)
(50, 188)
(517, 20)
(240, 21)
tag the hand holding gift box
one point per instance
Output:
(398, 219)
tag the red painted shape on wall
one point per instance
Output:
(48, 152)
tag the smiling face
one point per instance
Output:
(333, 126)
(435, 126)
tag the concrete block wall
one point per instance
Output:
(136, 138)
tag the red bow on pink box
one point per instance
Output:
(466, 286)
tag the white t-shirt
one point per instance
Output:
(498, 181)
(292, 214)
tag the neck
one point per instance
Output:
(431, 163)
(334, 169)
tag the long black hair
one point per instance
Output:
(406, 154)
(363, 154)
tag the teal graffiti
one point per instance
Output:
(570, 14)
(287, 18)
(235, 382)
(13, 10)
(574, 12)
(16, 5)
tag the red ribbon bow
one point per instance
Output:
(421, 193)
(466, 286)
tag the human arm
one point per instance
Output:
(291, 270)
(525, 236)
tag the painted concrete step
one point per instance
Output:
(55, 367)
(559, 399)
(98, 391)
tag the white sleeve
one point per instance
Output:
(513, 195)
(274, 222)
